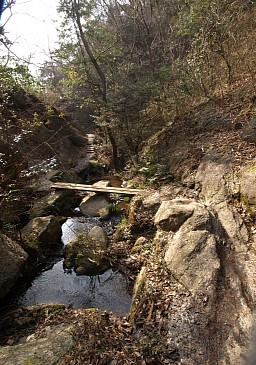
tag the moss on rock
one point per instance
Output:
(86, 253)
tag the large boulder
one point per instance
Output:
(96, 204)
(192, 256)
(12, 260)
(172, 214)
(152, 202)
(97, 234)
(236, 283)
(211, 178)
(53, 203)
(210, 294)
(42, 232)
(86, 253)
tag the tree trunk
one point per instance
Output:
(102, 79)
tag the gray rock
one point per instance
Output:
(152, 202)
(42, 231)
(95, 204)
(232, 223)
(192, 256)
(209, 255)
(248, 185)
(99, 236)
(50, 349)
(236, 253)
(210, 179)
(172, 214)
(12, 260)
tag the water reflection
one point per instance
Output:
(73, 226)
(108, 291)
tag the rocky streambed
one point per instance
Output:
(65, 260)
(193, 251)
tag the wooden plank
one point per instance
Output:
(93, 188)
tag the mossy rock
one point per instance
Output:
(42, 232)
(86, 253)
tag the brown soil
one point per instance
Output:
(223, 129)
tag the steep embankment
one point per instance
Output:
(225, 128)
(35, 139)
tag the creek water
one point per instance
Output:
(108, 291)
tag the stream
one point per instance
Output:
(109, 291)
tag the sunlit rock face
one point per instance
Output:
(210, 254)
(96, 205)
(192, 255)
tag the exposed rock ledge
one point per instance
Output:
(210, 295)
(209, 252)
(49, 349)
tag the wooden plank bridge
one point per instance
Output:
(95, 188)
